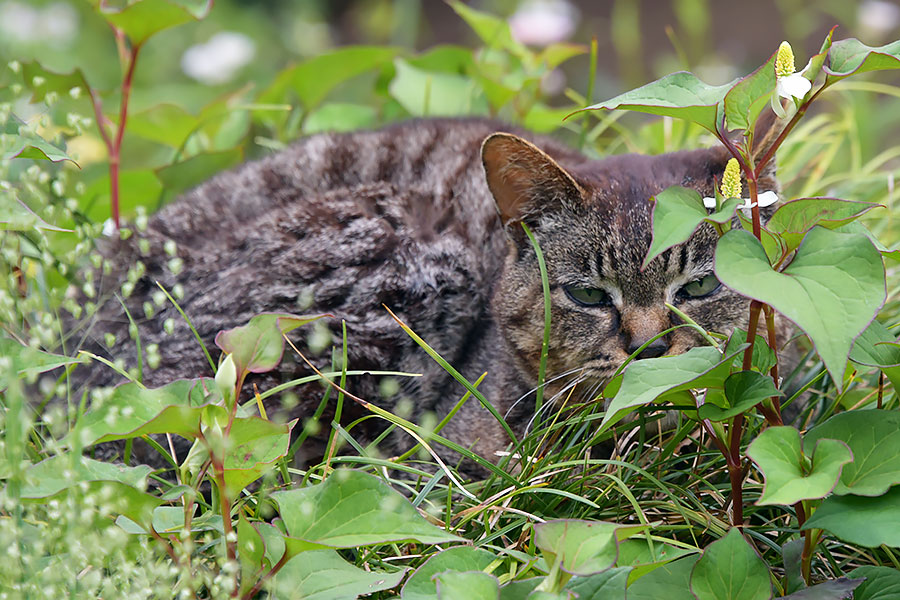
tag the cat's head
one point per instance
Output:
(593, 223)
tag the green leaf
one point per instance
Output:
(874, 438)
(860, 520)
(648, 379)
(492, 30)
(424, 93)
(251, 552)
(133, 411)
(793, 219)
(421, 584)
(19, 141)
(516, 590)
(749, 96)
(851, 57)
(471, 585)
(582, 547)
(29, 361)
(670, 581)
(184, 175)
(41, 81)
(254, 446)
(730, 569)
(777, 453)
(743, 390)
(608, 585)
(881, 583)
(16, 216)
(763, 358)
(642, 556)
(353, 509)
(835, 589)
(312, 80)
(831, 290)
(340, 116)
(119, 488)
(876, 346)
(258, 346)
(167, 124)
(555, 54)
(324, 575)
(143, 18)
(680, 95)
(677, 213)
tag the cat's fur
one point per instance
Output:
(405, 217)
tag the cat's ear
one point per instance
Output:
(524, 179)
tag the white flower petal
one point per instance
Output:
(767, 199)
(793, 86)
(709, 202)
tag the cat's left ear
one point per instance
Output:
(524, 179)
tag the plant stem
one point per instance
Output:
(773, 344)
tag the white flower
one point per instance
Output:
(219, 59)
(794, 86)
(543, 22)
(765, 199)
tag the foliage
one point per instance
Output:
(234, 519)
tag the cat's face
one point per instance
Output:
(593, 224)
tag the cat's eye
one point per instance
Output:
(701, 287)
(588, 296)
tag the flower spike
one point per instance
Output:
(731, 180)
(784, 61)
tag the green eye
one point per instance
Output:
(701, 287)
(588, 296)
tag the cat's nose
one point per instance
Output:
(656, 348)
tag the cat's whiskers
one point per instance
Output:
(549, 402)
(533, 390)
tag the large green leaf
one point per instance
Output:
(777, 453)
(677, 213)
(15, 215)
(143, 18)
(648, 379)
(582, 547)
(183, 175)
(643, 556)
(430, 93)
(861, 520)
(876, 346)
(749, 96)
(831, 290)
(793, 219)
(313, 79)
(165, 123)
(41, 81)
(351, 509)
(608, 585)
(470, 585)
(324, 575)
(882, 583)
(670, 582)
(680, 95)
(874, 438)
(850, 57)
(730, 569)
(421, 584)
(29, 361)
(133, 411)
(254, 445)
(258, 346)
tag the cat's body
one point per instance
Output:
(405, 218)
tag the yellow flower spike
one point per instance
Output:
(784, 61)
(731, 180)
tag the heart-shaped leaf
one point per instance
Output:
(680, 95)
(257, 347)
(861, 520)
(670, 581)
(874, 438)
(143, 18)
(777, 453)
(850, 57)
(421, 585)
(646, 380)
(730, 569)
(351, 509)
(582, 547)
(677, 213)
(466, 585)
(793, 219)
(877, 347)
(743, 390)
(881, 583)
(324, 575)
(749, 96)
(831, 290)
(608, 585)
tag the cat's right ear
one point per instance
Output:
(524, 179)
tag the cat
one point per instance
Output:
(425, 218)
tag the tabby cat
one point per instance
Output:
(425, 218)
